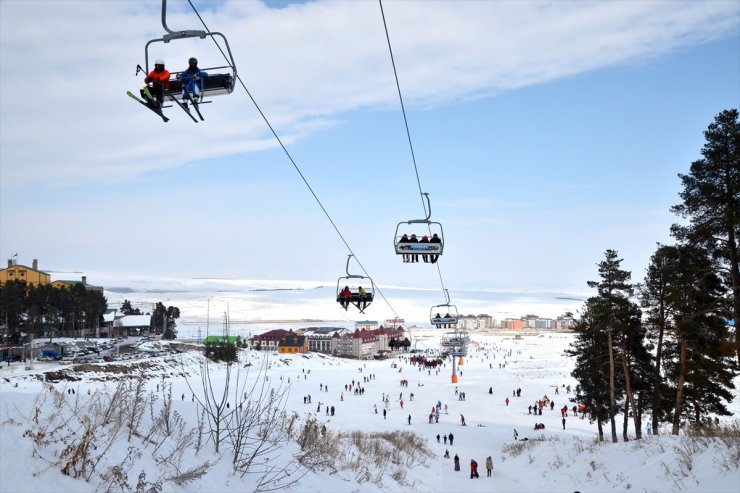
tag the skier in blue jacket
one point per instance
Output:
(192, 80)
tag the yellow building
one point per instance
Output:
(30, 275)
(293, 343)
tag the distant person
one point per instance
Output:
(414, 256)
(447, 454)
(363, 298)
(345, 296)
(457, 462)
(489, 465)
(405, 239)
(436, 321)
(434, 239)
(424, 256)
(473, 469)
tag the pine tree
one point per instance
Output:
(694, 299)
(653, 296)
(613, 292)
(591, 364)
(711, 202)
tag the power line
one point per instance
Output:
(295, 165)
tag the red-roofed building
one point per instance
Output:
(365, 344)
(269, 340)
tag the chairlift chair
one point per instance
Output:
(433, 248)
(450, 314)
(217, 83)
(352, 281)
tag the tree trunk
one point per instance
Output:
(628, 388)
(657, 380)
(625, 422)
(599, 424)
(612, 387)
(735, 276)
(679, 390)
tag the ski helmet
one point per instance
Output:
(193, 61)
(158, 61)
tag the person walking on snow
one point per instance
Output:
(473, 469)
(457, 462)
(507, 401)
(462, 420)
(489, 465)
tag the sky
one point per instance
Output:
(543, 132)
(564, 460)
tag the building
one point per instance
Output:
(467, 322)
(293, 343)
(360, 344)
(268, 340)
(320, 338)
(366, 325)
(513, 324)
(30, 275)
(486, 321)
(366, 344)
(133, 324)
(66, 284)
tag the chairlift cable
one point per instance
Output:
(300, 173)
(403, 108)
(408, 132)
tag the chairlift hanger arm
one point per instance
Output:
(189, 33)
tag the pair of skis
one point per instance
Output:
(158, 110)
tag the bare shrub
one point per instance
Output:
(388, 452)
(318, 447)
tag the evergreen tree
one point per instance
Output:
(127, 309)
(711, 202)
(591, 364)
(12, 294)
(654, 298)
(695, 300)
(613, 292)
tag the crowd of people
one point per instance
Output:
(390, 402)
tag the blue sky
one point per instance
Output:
(544, 132)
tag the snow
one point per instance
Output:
(565, 460)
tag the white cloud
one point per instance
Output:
(66, 65)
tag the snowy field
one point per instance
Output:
(255, 305)
(553, 460)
